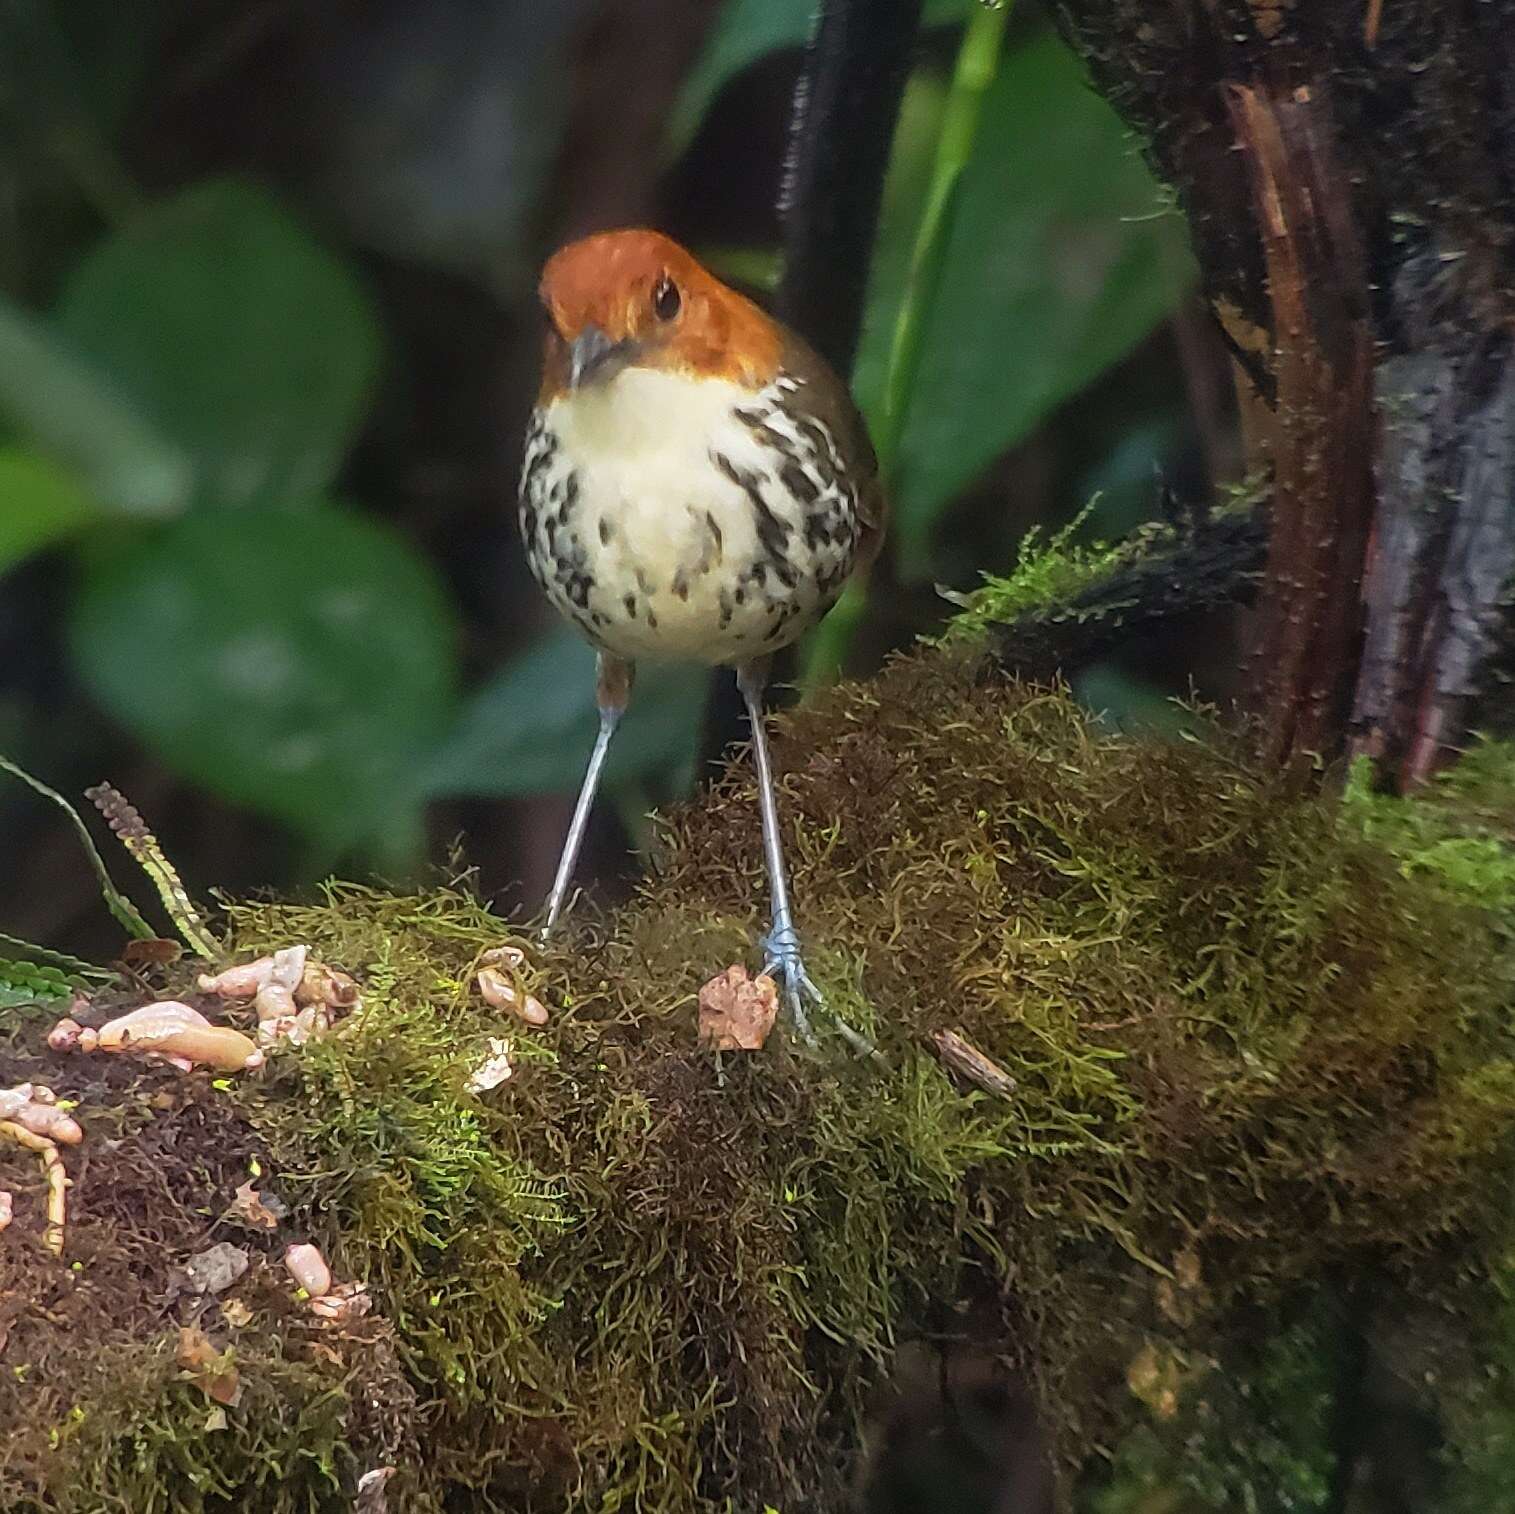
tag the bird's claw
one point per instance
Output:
(783, 963)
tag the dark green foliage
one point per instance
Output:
(241, 339)
(1481, 1460)
(210, 356)
(1251, 1431)
(1079, 207)
(514, 734)
(31, 983)
(1251, 1047)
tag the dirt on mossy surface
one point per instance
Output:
(1251, 1049)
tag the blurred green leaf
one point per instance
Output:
(530, 729)
(751, 29)
(250, 345)
(1061, 258)
(300, 664)
(61, 401)
(39, 504)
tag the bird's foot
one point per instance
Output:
(783, 963)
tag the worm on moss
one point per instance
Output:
(57, 1179)
(183, 1035)
(35, 1107)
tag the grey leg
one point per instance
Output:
(781, 946)
(613, 693)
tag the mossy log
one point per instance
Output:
(1262, 1052)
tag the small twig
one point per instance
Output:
(962, 1057)
(1371, 24)
(57, 1180)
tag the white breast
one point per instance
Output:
(656, 516)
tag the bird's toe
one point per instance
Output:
(784, 964)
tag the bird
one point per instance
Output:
(696, 485)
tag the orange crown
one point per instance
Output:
(656, 308)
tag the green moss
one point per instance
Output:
(1457, 833)
(1251, 1431)
(1044, 577)
(1250, 1047)
(1056, 580)
(144, 1444)
(1480, 1455)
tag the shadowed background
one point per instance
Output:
(268, 339)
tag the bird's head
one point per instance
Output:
(635, 299)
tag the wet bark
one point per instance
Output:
(1438, 586)
(1348, 172)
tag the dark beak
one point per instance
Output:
(594, 359)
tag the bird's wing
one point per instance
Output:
(829, 399)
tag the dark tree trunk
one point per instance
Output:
(840, 136)
(1348, 171)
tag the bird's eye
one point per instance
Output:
(666, 299)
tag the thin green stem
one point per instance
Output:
(635, 807)
(116, 902)
(977, 61)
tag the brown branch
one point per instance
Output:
(1310, 611)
